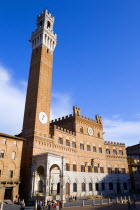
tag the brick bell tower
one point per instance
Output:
(36, 122)
(37, 108)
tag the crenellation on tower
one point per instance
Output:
(76, 111)
(114, 143)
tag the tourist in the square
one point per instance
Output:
(129, 205)
(49, 206)
(22, 205)
(60, 205)
(133, 204)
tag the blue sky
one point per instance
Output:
(96, 61)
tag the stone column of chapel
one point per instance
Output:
(114, 187)
(93, 188)
(71, 188)
(32, 193)
(62, 181)
(32, 181)
(47, 180)
(87, 189)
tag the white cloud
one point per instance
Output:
(116, 116)
(137, 115)
(12, 102)
(61, 105)
(12, 99)
(119, 130)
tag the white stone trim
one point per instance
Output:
(44, 34)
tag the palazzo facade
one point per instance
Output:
(10, 161)
(66, 156)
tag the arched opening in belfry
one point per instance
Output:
(48, 24)
(54, 180)
(41, 23)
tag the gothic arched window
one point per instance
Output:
(110, 186)
(107, 151)
(125, 186)
(60, 140)
(48, 24)
(74, 187)
(97, 186)
(83, 187)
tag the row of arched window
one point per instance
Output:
(96, 168)
(114, 152)
(4, 141)
(116, 170)
(90, 186)
(82, 146)
(2, 154)
(88, 147)
(60, 141)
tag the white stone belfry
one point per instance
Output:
(44, 33)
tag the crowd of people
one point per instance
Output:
(74, 198)
(50, 205)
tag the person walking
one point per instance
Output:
(129, 205)
(60, 205)
(49, 206)
(133, 204)
(22, 205)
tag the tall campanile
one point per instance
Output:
(37, 108)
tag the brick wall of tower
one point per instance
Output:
(39, 91)
(37, 100)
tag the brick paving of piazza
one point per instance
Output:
(104, 207)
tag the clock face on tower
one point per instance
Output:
(43, 117)
(90, 131)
